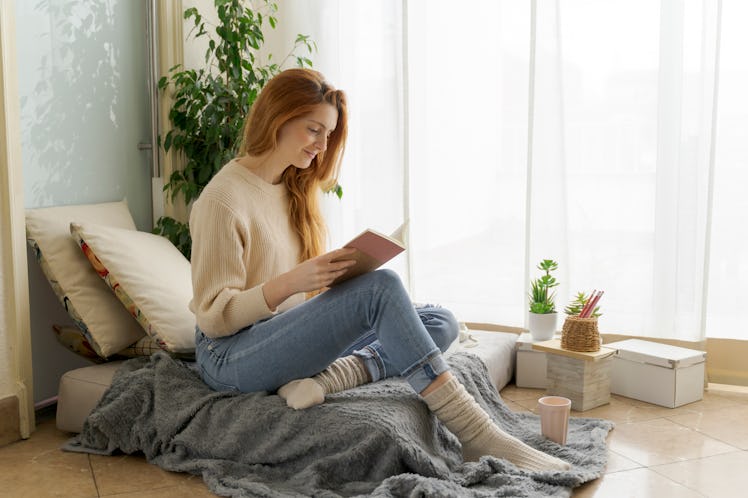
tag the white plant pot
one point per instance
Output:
(542, 326)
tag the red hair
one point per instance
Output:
(291, 94)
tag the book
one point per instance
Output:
(373, 250)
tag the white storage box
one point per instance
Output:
(657, 373)
(531, 364)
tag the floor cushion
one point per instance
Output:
(82, 388)
(79, 392)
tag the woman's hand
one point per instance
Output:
(311, 275)
(319, 272)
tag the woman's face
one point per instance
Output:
(302, 138)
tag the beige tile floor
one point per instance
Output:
(697, 450)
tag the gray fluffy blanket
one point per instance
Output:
(376, 440)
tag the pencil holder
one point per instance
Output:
(580, 334)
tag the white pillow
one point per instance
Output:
(148, 275)
(106, 324)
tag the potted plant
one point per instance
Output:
(210, 103)
(542, 313)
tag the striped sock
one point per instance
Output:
(344, 373)
(479, 435)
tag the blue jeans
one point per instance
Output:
(371, 317)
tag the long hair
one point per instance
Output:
(291, 94)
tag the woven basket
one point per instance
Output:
(580, 334)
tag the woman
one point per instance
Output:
(257, 254)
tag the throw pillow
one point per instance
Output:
(108, 327)
(148, 275)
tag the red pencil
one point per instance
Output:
(587, 304)
(593, 303)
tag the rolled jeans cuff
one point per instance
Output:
(419, 376)
(373, 363)
(423, 373)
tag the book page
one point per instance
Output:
(399, 233)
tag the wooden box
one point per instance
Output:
(582, 377)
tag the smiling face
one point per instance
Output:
(302, 138)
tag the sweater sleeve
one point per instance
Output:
(221, 303)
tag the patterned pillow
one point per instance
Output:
(149, 276)
(145, 346)
(75, 340)
(107, 326)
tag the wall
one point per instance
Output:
(726, 361)
(84, 110)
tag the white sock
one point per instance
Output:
(479, 435)
(344, 373)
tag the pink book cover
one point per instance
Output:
(374, 249)
(376, 245)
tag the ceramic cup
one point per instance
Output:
(554, 417)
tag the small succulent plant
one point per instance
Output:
(542, 299)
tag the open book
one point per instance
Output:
(374, 250)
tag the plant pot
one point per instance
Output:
(542, 326)
(580, 334)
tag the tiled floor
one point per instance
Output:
(697, 450)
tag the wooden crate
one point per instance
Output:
(584, 378)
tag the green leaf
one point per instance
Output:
(210, 104)
(176, 232)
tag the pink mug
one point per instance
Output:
(554, 417)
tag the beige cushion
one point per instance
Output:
(79, 392)
(148, 275)
(89, 302)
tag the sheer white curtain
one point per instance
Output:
(623, 119)
(616, 183)
(360, 51)
(728, 261)
(468, 94)
(609, 136)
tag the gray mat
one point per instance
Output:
(375, 440)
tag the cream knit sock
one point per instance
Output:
(344, 373)
(479, 435)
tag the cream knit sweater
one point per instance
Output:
(241, 238)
